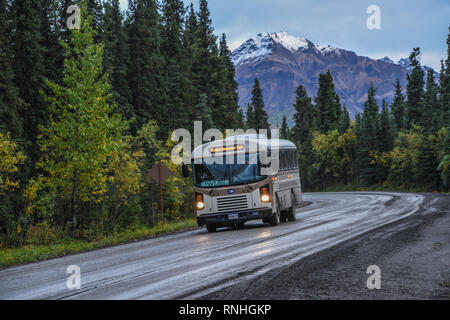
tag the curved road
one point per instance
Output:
(194, 263)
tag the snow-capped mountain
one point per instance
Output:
(406, 63)
(386, 59)
(281, 62)
(261, 46)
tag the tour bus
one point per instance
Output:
(233, 185)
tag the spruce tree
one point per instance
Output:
(398, 107)
(190, 45)
(250, 118)
(203, 113)
(427, 174)
(444, 94)
(414, 90)
(205, 40)
(284, 130)
(432, 111)
(384, 129)
(302, 133)
(28, 66)
(260, 117)
(10, 102)
(229, 86)
(240, 121)
(344, 121)
(178, 113)
(52, 51)
(146, 64)
(116, 56)
(303, 118)
(368, 139)
(327, 103)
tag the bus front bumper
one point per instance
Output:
(229, 218)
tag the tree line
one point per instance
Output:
(405, 145)
(85, 113)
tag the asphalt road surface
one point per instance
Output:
(324, 254)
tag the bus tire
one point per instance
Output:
(276, 218)
(211, 227)
(291, 216)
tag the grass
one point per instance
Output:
(15, 256)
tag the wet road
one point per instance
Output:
(195, 263)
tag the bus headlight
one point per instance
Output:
(199, 203)
(264, 194)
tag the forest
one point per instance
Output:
(85, 113)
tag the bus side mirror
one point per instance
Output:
(185, 171)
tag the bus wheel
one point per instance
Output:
(211, 227)
(275, 219)
(291, 216)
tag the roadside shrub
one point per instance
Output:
(42, 234)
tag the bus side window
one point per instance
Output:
(288, 161)
(296, 159)
(283, 160)
(291, 159)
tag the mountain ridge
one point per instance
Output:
(281, 62)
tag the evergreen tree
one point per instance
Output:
(368, 139)
(228, 117)
(28, 66)
(10, 102)
(385, 137)
(432, 111)
(203, 113)
(178, 113)
(427, 174)
(284, 130)
(344, 121)
(414, 90)
(116, 56)
(240, 122)
(250, 119)
(190, 44)
(205, 41)
(146, 66)
(385, 140)
(95, 8)
(398, 107)
(52, 51)
(327, 103)
(302, 133)
(303, 118)
(444, 81)
(260, 117)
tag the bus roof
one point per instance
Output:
(261, 141)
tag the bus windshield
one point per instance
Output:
(229, 171)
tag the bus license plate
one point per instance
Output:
(233, 216)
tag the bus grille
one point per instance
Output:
(232, 203)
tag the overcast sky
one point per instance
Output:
(404, 24)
